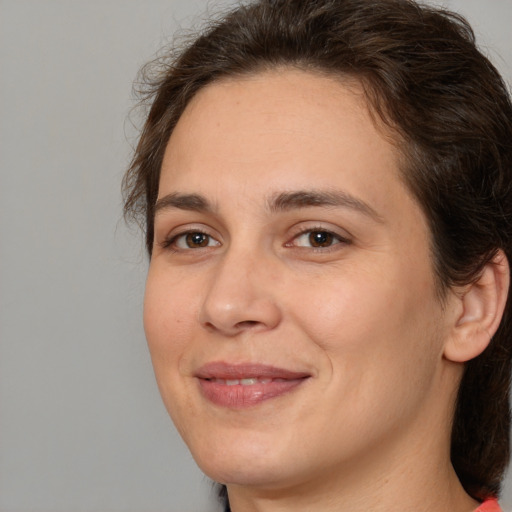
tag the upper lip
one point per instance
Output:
(223, 370)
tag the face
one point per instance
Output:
(290, 308)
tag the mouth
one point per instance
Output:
(241, 386)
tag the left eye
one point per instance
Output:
(317, 239)
(194, 240)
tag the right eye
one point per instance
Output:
(191, 240)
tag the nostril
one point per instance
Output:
(209, 326)
(239, 326)
(246, 324)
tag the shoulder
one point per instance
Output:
(490, 505)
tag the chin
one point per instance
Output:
(266, 476)
(246, 462)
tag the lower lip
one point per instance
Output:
(241, 397)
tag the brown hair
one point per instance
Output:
(450, 111)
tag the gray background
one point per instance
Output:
(81, 423)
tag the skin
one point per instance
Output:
(370, 427)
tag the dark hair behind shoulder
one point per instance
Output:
(451, 116)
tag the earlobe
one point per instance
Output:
(482, 305)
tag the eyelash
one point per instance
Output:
(170, 243)
(336, 237)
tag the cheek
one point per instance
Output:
(169, 327)
(386, 322)
(168, 315)
(374, 337)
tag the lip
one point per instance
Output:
(217, 381)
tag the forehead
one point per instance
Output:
(277, 125)
(285, 103)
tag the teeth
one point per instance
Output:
(246, 382)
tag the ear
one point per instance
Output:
(479, 311)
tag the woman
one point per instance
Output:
(325, 187)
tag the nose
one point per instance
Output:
(241, 296)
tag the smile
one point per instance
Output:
(251, 381)
(243, 386)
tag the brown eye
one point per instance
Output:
(320, 239)
(194, 240)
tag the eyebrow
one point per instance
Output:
(286, 201)
(192, 202)
(282, 202)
